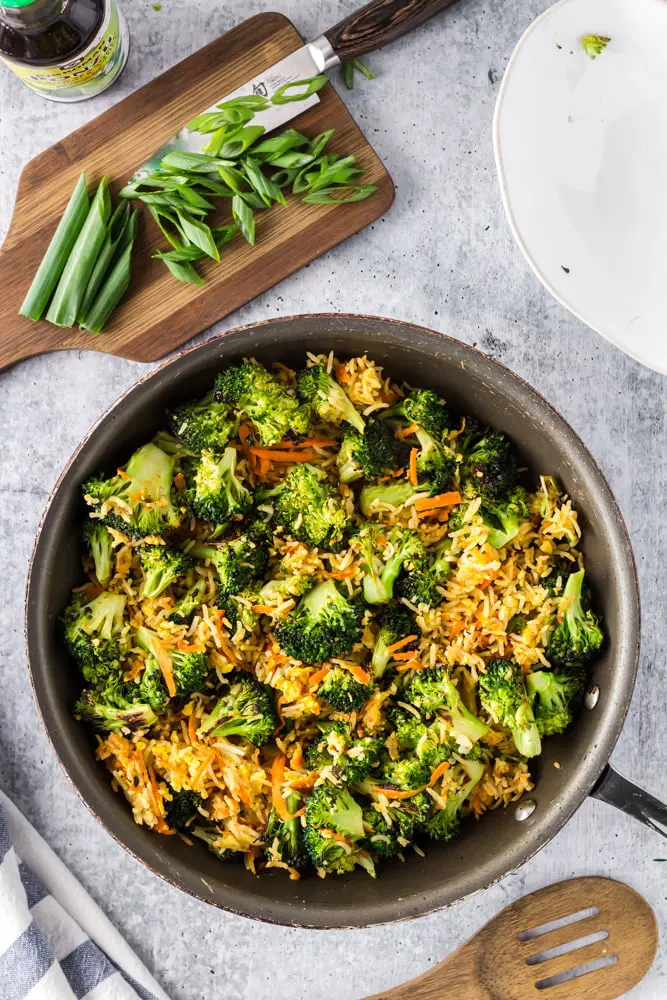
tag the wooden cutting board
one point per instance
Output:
(160, 313)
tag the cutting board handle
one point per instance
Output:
(379, 22)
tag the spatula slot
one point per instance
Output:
(555, 925)
(563, 949)
(581, 970)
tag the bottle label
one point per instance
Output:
(90, 72)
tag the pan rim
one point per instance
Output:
(580, 783)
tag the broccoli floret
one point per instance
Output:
(374, 453)
(349, 759)
(187, 604)
(308, 507)
(490, 466)
(432, 749)
(145, 489)
(436, 464)
(517, 624)
(553, 697)
(161, 566)
(112, 708)
(555, 581)
(218, 494)
(294, 585)
(342, 691)
(212, 837)
(433, 690)
(440, 566)
(593, 45)
(502, 691)
(245, 710)
(420, 584)
(396, 622)
(151, 687)
(190, 670)
(386, 840)
(100, 545)
(203, 423)
(327, 398)
(375, 499)
(184, 805)
(444, 823)
(238, 610)
(408, 774)
(284, 838)
(424, 408)
(238, 562)
(408, 726)
(335, 810)
(274, 410)
(579, 636)
(383, 555)
(93, 634)
(324, 624)
(503, 517)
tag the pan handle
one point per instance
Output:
(617, 791)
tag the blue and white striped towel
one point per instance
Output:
(55, 942)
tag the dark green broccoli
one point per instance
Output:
(444, 823)
(324, 624)
(503, 517)
(308, 507)
(144, 489)
(238, 610)
(150, 686)
(190, 670)
(238, 563)
(439, 564)
(294, 585)
(161, 566)
(420, 584)
(330, 811)
(579, 636)
(284, 838)
(490, 466)
(384, 553)
(376, 452)
(111, 708)
(218, 494)
(374, 499)
(517, 624)
(554, 697)
(203, 423)
(348, 758)
(274, 410)
(434, 691)
(100, 545)
(386, 840)
(436, 464)
(554, 582)
(433, 748)
(244, 710)
(407, 774)
(212, 836)
(187, 604)
(327, 398)
(424, 408)
(182, 808)
(408, 726)
(93, 634)
(502, 691)
(395, 622)
(342, 691)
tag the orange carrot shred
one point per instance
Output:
(192, 729)
(438, 772)
(319, 675)
(442, 500)
(359, 674)
(413, 467)
(340, 574)
(262, 609)
(341, 374)
(283, 456)
(401, 642)
(408, 655)
(277, 779)
(179, 481)
(165, 664)
(395, 793)
(135, 671)
(403, 432)
(123, 474)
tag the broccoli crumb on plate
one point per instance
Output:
(325, 619)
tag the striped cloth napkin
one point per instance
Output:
(55, 942)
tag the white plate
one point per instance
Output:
(581, 151)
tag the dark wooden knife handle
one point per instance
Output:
(379, 22)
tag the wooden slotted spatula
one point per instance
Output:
(583, 939)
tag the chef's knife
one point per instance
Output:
(372, 26)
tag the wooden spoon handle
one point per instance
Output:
(452, 979)
(379, 22)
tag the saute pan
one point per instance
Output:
(487, 850)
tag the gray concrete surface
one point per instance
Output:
(442, 257)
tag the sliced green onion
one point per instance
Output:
(355, 65)
(244, 218)
(66, 303)
(237, 144)
(299, 90)
(194, 162)
(115, 284)
(262, 185)
(279, 144)
(184, 272)
(234, 178)
(316, 145)
(339, 195)
(59, 249)
(199, 234)
(115, 230)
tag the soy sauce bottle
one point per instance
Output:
(65, 50)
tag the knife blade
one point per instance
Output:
(379, 22)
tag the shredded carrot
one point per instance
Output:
(277, 779)
(299, 812)
(262, 609)
(403, 432)
(303, 784)
(442, 500)
(341, 574)
(438, 772)
(456, 629)
(123, 474)
(297, 760)
(395, 793)
(319, 675)
(165, 830)
(135, 671)
(408, 655)
(395, 646)
(165, 664)
(411, 665)
(279, 704)
(283, 456)
(359, 674)
(412, 475)
(342, 374)
(336, 836)
(210, 757)
(179, 481)
(477, 801)
(189, 647)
